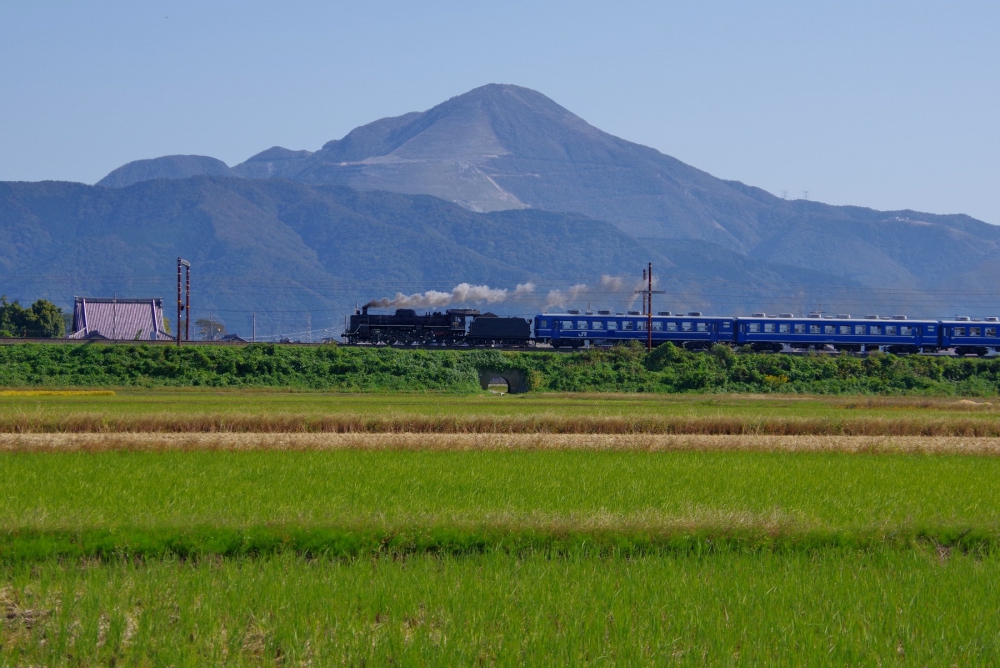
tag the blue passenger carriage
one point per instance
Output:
(969, 336)
(895, 334)
(575, 328)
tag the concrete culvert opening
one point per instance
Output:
(499, 385)
(512, 381)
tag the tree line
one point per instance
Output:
(41, 320)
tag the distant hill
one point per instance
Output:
(281, 248)
(503, 147)
(167, 167)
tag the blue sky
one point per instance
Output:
(882, 104)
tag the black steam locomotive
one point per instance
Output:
(454, 327)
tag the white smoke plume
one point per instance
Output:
(612, 283)
(560, 298)
(555, 298)
(460, 294)
(641, 285)
(463, 292)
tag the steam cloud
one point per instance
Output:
(641, 285)
(560, 298)
(612, 283)
(461, 293)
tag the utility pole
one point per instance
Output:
(647, 303)
(187, 304)
(181, 307)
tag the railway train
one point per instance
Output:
(694, 331)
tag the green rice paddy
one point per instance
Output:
(832, 607)
(434, 556)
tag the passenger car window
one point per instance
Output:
(686, 326)
(959, 331)
(905, 330)
(974, 331)
(702, 327)
(753, 326)
(814, 329)
(543, 323)
(800, 328)
(829, 329)
(875, 329)
(671, 326)
(890, 330)
(784, 328)
(627, 324)
(657, 326)
(641, 324)
(581, 324)
(567, 324)
(991, 331)
(597, 324)
(769, 327)
(612, 324)
(845, 329)
(859, 329)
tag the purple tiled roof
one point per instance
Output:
(123, 319)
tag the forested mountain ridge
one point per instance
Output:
(281, 246)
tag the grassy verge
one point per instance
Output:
(923, 607)
(623, 369)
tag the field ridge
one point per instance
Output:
(33, 545)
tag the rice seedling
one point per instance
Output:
(923, 607)
(119, 501)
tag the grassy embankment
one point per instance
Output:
(624, 369)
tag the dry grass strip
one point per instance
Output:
(969, 426)
(57, 393)
(89, 442)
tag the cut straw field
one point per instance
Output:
(96, 442)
